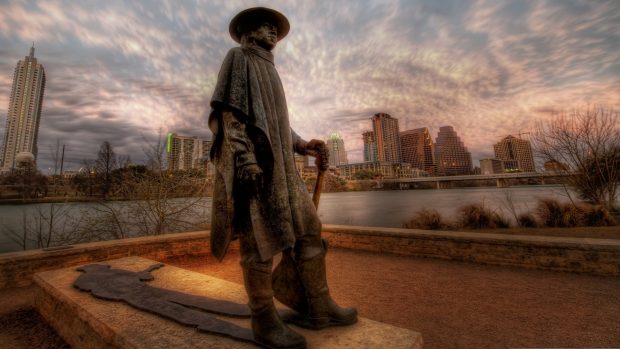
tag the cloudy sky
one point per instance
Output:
(122, 70)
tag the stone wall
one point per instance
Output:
(17, 268)
(581, 255)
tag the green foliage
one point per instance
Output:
(364, 174)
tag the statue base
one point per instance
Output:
(88, 322)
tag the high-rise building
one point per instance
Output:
(417, 149)
(386, 132)
(337, 154)
(451, 154)
(491, 166)
(25, 104)
(370, 146)
(516, 154)
(186, 153)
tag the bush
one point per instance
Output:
(549, 211)
(599, 216)
(426, 219)
(475, 216)
(553, 213)
(527, 220)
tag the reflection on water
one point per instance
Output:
(369, 208)
(392, 208)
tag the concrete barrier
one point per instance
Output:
(17, 268)
(580, 255)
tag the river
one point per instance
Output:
(367, 208)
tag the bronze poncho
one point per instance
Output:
(249, 85)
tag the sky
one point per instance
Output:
(121, 71)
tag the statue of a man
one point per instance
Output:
(259, 197)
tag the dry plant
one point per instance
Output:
(426, 219)
(585, 145)
(159, 200)
(477, 216)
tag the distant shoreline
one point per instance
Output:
(350, 188)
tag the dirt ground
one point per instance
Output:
(453, 304)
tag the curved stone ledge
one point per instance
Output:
(17, 268)
(581, 255)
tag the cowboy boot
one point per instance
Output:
(322, 309)
(267, 326)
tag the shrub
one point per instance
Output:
(426, 219)
(501, 221)
(572, 215)
(475, 216)
(599, 216)
(555, 214)
(549, 211)
(527, 220)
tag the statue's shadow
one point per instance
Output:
(186, 309)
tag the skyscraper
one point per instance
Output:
(25, 104)
(370, 146)
(515, 153)
(451, 155)
(417, 149)
(386, 131)
(491, 166)
(186, 153)
(337, 154)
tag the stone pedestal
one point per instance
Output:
(87, 322)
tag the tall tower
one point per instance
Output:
(185, 153)
(25, 104)
(386, 132)
(515, 153)
(337, 154)
(370, 146)
(451, 155)
(417, 149)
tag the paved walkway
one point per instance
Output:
(461, 305)
(453, 304)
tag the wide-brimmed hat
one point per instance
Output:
(252, 17)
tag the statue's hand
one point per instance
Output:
(318, 149)
(250, 176)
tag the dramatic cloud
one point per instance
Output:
(121, 71)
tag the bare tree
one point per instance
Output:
(104, 165)
(586, 145)
(160, 200)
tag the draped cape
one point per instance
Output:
(249, 85)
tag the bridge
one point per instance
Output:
(502, 179)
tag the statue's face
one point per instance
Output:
(266, 36)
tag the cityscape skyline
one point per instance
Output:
(121, 71)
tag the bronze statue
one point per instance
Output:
(259, 197)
